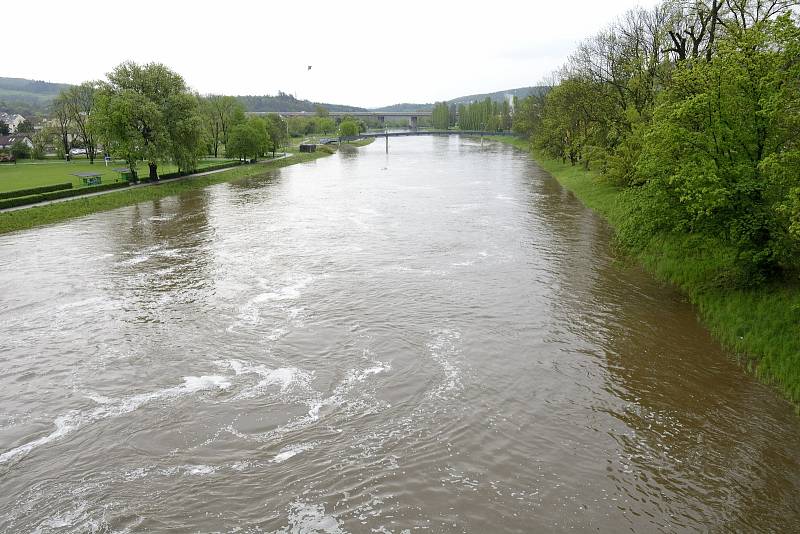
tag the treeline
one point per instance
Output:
(486, 115)
(146, 113)
(286, 102)
(694, 107)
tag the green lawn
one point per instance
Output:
(25, 175)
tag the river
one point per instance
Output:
(441, 339)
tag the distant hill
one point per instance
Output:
(32, 97)
(404, 107)
(284, 102)
(27, 97)
(498, 96)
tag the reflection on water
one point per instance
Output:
(437, 339)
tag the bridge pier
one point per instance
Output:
(412, 121)
(382, 121)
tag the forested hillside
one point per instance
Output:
(27, 97)
(286, 102)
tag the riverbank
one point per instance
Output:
(23, 219)
(362, 142)
(761, 326)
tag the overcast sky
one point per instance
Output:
(362, 53)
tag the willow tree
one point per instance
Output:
(147, 113)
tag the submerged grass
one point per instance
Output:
(761, 326)
(363, 142)
(12, 221)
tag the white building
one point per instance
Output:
(12, 119)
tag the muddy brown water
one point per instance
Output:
(441, 339)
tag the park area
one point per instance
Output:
(26, 175)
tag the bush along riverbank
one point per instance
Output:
(761, 325)
(23, 219)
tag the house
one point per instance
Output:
(12, 119)
(7, 140)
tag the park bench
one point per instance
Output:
(90, 178)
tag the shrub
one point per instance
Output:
(35, 190)
(53, 195)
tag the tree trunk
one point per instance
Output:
(153, 174)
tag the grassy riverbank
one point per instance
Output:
(35, 216)
(362, 142)
(761, 326)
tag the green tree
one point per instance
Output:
(63, 120)
(20, 150)
(4, 129)
(440, 116)
(25, 126)
(723, 137)
(41, 140)
(277, 132)
(146, 113)
(326, 125)
(248, 139)
(220, 113)
(79, 102)
(348, 128)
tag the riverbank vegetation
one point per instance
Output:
(485, 115)
(681, 125)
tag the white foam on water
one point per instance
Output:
(285, 378)
(82, 303)
(192, 469)
(109, 408)
(289, 292)
(339, 397)
(250, 311)
(308, 518)
(445, 350)
(292, 450)
(200, 470)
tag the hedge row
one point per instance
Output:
(33, 199)
(35, 190)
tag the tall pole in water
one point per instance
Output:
(386, 131)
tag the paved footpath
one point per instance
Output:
(148, 184)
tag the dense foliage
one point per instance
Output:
(486, 115)
(693, 107)
(147, 113)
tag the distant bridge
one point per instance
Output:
(472, 133)
(387, 135)
(412, 116)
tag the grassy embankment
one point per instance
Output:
(25, 175)
(362, 142)
(78, 206)
(761, 326)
